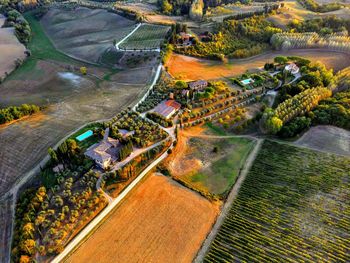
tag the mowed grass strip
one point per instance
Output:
(145, 37)
(294, 206)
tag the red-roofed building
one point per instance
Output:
(167, 108)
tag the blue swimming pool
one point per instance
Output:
(85, 135)
(247, 81)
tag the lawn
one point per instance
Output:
(90, 140)
(220, 173)
(293, 206)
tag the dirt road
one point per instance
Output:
(205, 246)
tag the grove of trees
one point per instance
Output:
(14, 113)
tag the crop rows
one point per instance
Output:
(146, 37)
(311, 40)
(294, 206)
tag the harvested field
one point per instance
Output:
(328, 139)
(68, 31)
(71, 100)
(160, 221)
(149, 11)
(6, 227)
(147, 36)
(25, 143)
(294, 10)
(197, 164)
(189, 68)
(10, 49)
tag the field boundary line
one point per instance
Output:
(226, 208)
(127, 36)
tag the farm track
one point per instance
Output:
(231, 197)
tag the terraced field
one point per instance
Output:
(146, 37)
(294, 206)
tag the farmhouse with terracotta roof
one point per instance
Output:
(167, 108)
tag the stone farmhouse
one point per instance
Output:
(105, 152)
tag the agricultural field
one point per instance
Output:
(51, 79)
(147, 36)
(158, 221)
(219, 13)
(10, 49)
(326, 138)
(189, 68)
(68, 31)
(6, 207)
(207, 161)
(294, 10)
(150, 12)
(292, 207)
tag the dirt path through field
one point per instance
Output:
(205, 246)
(190, 68)
(160, 221)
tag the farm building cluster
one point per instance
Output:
(169, 108)
(106, 152)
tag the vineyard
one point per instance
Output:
(335, 41)
(301, 103)
(294, 206)
(146, 37)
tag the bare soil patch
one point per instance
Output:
(196, 162)
(69, 33)
(10, 49)
(189, 68)
(160, 221)
(327, 138)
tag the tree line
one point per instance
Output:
(14, 113)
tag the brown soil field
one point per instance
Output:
(71, 100)
(161, 221)
(68, 31)
(190, 68)
(10, 49)
(149, 11)
(6, 226)
(328, 139)
(177, 164)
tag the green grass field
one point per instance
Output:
(220, 170)
(146, 37)
(41, 49)
(294, 206)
